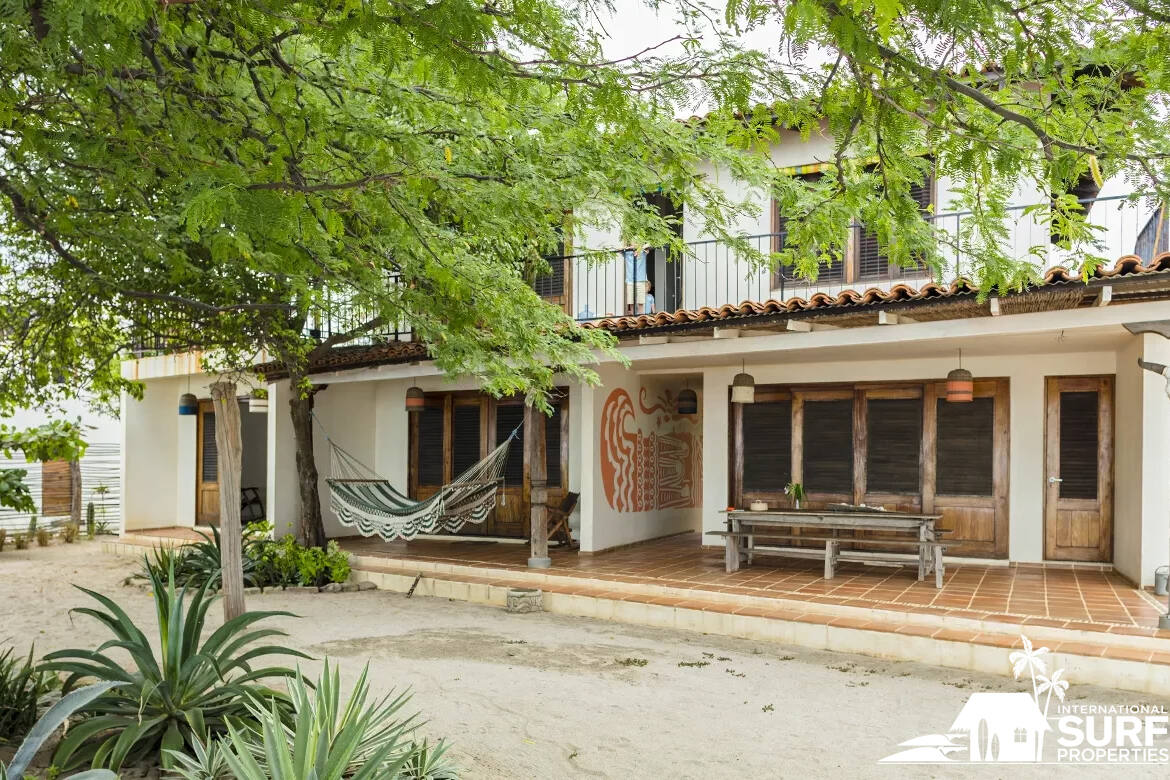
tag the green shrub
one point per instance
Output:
(182, 695)
(20, 541)
(50, 722)
(69, 533)
(43, 537)
(327, 737)
(337, 562)
(22, 685)
(3, 538)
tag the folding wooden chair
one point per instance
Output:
(558, 520)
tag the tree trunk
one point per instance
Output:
(75, 492)
(229, 447)
(534, 423)
(311, 525)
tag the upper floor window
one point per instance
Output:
(864, 259)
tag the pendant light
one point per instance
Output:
(960, 384)
(687, 401)
(188, 403)
(414, 399)
(743, 387)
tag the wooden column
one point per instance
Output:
(534, 446)
(229, 448)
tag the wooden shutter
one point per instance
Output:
(209, 454)
(465, 437)
(965, 448)
(827, 272)
(871, 262)
(552, 447)
(1078, 444)
(430, 446)
(766, 430)
(508, 417)
(827, 445)
(552, 284)
(893, 445)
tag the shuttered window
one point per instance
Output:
(964, 464)
(827, 272)
(871, 262)
(766, 429)
(552, 447)
(210, 455)
(465, 431)
(551, 284)
(1078, 444)
(508, 418)
(828, 446)
(430, 446)
(894, 445)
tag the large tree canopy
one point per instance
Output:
(999, 95)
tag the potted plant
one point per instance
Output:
(795, 491)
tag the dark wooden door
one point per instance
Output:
(1078, 490)
(206, 467)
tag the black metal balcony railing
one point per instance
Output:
(713, 273)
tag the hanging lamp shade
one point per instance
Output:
(743, 389)
(960, 386)
(687, 402)
(188, 404)
(414, 399)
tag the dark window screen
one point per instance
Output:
(552, 447)
(210, 455)
(552, 283)
(871, 262)
(507, 418)
(767, 445)
(894, 444)
(828, 446)
(965, 449)
(464, 438)
(1078, 444)
(430, 446)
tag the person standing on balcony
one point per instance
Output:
(649, 297)
(636, 279)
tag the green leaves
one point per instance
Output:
(175, 697)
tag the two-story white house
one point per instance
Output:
(1061, 456)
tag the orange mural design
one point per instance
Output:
(640, 473)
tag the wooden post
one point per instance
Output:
(75, 492)
(229, 448)
(534, 421)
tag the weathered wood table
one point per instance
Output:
(745, 527)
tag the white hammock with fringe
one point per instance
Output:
(368, 502)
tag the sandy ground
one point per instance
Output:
(542, 696)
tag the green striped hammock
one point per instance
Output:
(366, 501)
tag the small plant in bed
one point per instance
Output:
(182, 694)
(44, 536)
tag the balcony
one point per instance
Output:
(712, 273)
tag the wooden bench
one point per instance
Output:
(746, 529)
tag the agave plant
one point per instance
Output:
(326, 739)
(49, 723)
(22, 685)
(185, 693)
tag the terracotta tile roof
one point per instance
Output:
(1059, 288)
(359, 356)
(1128, 266)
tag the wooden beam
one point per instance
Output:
(1104, 295)
(726, 333)
(801, 326)
(889, 318)
(534, 423)
(735, 333)
(644, 340)
(1161, 327)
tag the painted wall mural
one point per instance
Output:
(642, 472)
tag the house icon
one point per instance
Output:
(1002, 727)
